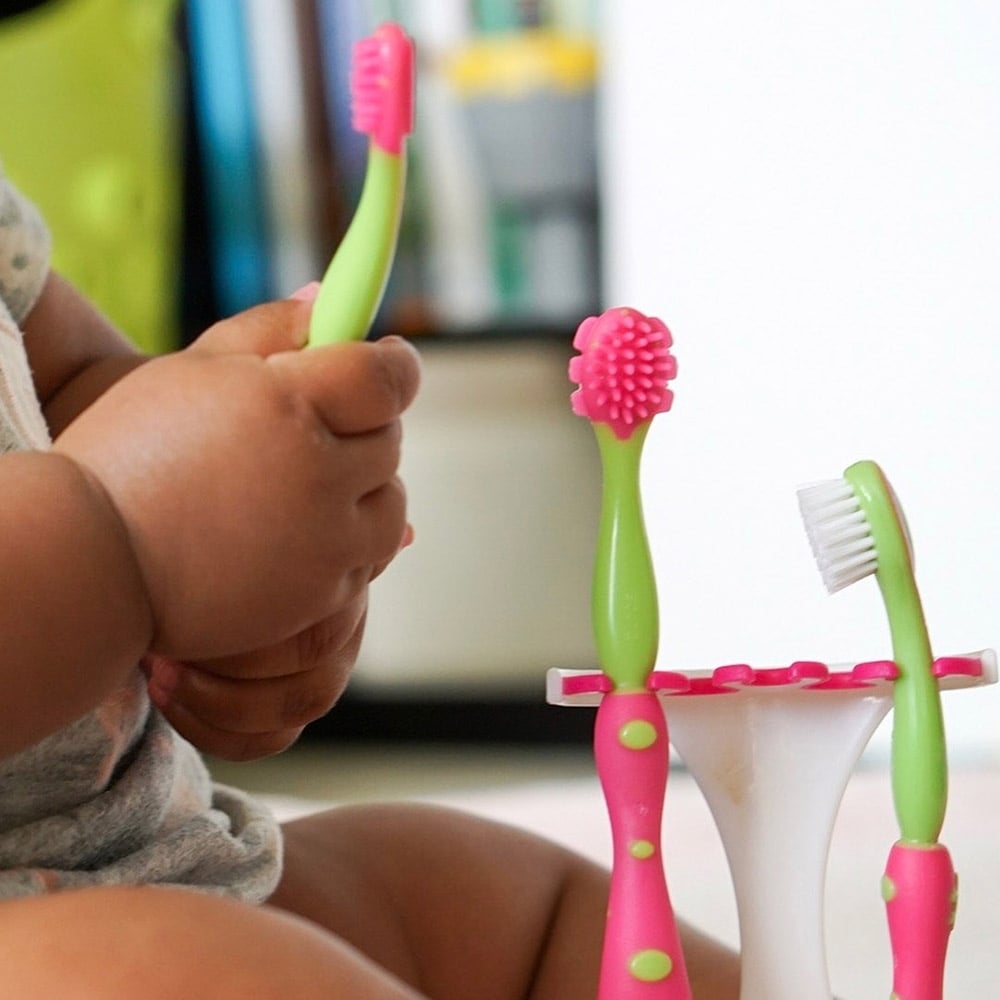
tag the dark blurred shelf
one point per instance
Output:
(11, 8)
(510, 333)
(526, 721)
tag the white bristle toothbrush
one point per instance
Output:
(623, 370)
(381, 107)
(857, 528)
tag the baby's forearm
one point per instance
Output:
(76, 353)
(85, 386)
(73, 607)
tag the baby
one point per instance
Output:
(186, 544)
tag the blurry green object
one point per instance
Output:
(89, 130)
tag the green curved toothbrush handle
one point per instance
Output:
(624, 606)
(919, 757)
(352, 288)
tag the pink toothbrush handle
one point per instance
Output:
(642, 957)
(920, 890)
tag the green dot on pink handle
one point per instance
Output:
(642, 849)
(638, 734)
(651, 965)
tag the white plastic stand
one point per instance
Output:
(772, 751)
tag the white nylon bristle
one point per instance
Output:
(838, 533)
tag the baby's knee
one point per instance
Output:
(110, 942)
(155, 942)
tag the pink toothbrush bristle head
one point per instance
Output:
(382, 87)
(622, 370)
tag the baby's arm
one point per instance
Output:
(74, 615)
(75, 351)
(221, 500)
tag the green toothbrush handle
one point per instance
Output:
(355, 280)
(624, 605)
(919, 756)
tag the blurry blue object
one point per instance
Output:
(227, 132)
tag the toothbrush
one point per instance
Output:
(622, 371)
(857, 528)
(382, 107)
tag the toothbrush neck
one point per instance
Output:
(910, 641)
(624, 604)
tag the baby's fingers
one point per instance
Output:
(382, 523)
(249, 706)
(226, 744)
(265, 329)
(355, 387)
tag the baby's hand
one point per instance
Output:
(254, 704)
(256, 482)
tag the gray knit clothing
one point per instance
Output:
(118, 797)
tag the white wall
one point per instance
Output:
(809, 195)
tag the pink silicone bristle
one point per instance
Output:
(382, 87)
(582, 336)
(623, 369)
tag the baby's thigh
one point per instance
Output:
(459, 907)
(157, 943)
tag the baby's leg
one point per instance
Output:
(464, 909)
(162, 944)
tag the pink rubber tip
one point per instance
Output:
(623, 369)
(382, 87)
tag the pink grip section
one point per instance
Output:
(642, 957)
(920, 891)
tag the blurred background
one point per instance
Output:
(195, 158)
(808, 194)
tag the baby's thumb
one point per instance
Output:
(263, 330)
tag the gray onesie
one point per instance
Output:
(118, 797)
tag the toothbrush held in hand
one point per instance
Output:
(856, 529)
(382, 107)
(623, 370)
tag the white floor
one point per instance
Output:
(555, 793)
